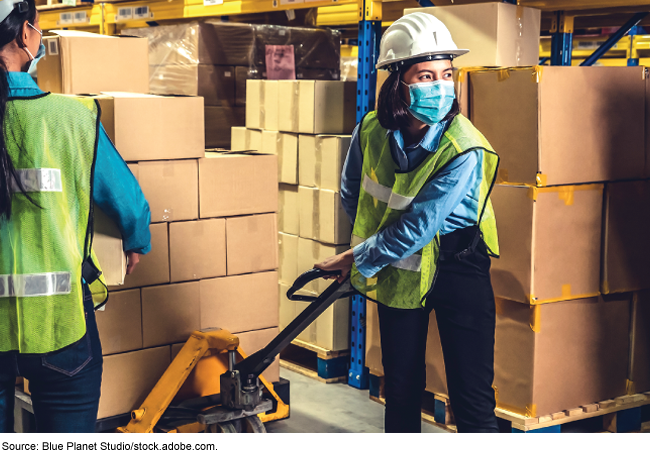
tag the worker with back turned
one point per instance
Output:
(56, 163)
(416, 184)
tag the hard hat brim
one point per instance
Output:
(386, 64)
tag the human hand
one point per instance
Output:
(132, 259)
(341, 262)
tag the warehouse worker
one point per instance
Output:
(416, 185)
(56, 162)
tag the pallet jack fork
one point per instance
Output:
(212, 386)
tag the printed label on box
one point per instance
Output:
(280, 62)
(53, 47)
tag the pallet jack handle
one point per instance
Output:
(257, 363)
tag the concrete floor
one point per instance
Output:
(331, 408)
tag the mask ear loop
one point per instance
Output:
(26, 49)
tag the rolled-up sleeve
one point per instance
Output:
(117, 193)
(351, 177)
(419, 226)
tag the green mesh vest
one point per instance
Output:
(52, 142)
(386, 193)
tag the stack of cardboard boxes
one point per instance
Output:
(304, 122)
(214, 59)
(571, 207)
(214, 256)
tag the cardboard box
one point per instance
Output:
(120, 323)
(271, 107)
(310, 253)
(134, 170)
(197, 249)
(128, 378)
(496, 34)
(107, 244)
(640, 336)
(255, 104)
(317, 106)
(170, 313)
(240, 303)
(550, 242)
(288, 270)
(331, 330)
(562, 125)
(285, 146)
(243, 73)
(172, 189)
(252, 243)
(321, 159)
(216, 84)
(153, 267)
(244, 139)
(218, 124)
(252, 341)
(145, 127)
(322, 216)
(288, 210)
(237, 184)
(626, 244)
(77, 62)
(584, 341)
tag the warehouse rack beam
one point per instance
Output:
(562, 39)
(613, 39)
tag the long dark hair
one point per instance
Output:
(10, 30)
(392, 111)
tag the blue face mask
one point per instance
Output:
(40, 54)
(431, 101)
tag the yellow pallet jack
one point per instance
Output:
(212, 386)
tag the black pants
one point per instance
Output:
(464, 303)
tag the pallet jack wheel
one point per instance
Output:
(253, 424)
(224, 427)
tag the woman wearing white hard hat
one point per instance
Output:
(416, 185)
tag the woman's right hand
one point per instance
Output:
(341, 262)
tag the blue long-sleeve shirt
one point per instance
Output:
(447, 203)
(116, 191)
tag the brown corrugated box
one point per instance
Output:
(311, 252)
(145, 127)
(218, 124)
(559, 356)
(288, 209)
(252, 243)
(237, 184)
(107, 244)
(625, 266)
(154, 266)
(288, 249)
(497, 34)
(562, 125)
(243, 139)
(128, 378)
(197, 249)
(120, 322)
(322, 216)
(243, 73)
(550, 240)
(172, 189)
(215, 84)
(170, 313)
(240, 303)
(77, 62)
(321, 159)
(285, 146)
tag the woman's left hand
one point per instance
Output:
(342, 262)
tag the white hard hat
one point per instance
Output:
(7, 7)
(416, 36)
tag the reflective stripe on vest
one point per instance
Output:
(35, 285)
(386, 194)
(412, 263)
(38, 179)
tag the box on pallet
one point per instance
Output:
(107, 244)
(321, 159)
(197, 249)
(122, 394)
(145, 127)
(120, 323)
(550, 242)
(218, 123)
(285, 146)
(331, 330)
(154, 266)
(497, 34)
(562, 125)
(311, 252)
(77, 62)
(237, 184)
(288, 210)
(585, 341)
(172, 189)
(240, 303)
(252, 243)
(243, 139)
(288, 248)
(215, 84)
(322, 216)
(625, 266)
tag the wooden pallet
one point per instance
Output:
(326, 366)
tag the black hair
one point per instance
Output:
(10, 30)
(392, 111)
